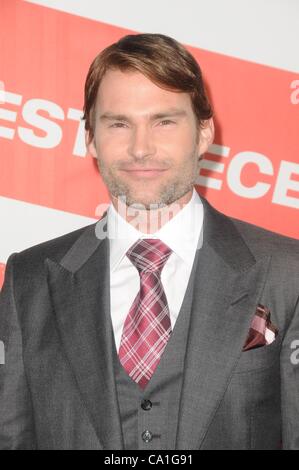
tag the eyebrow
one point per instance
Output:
(108, 116)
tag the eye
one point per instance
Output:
(166, 122)
(118, 125)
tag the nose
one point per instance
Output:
(141, 143)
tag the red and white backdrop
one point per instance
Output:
(248, 51)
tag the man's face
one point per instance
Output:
(146, 140)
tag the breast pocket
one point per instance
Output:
(259, 358)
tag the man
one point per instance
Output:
(165, 325)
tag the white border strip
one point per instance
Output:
(261, 31)
(24, 225)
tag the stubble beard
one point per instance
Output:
(170, 191)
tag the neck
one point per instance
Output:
(150, 221)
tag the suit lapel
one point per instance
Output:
(227, 286)
(80, 291)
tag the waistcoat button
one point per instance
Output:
(146, 405)
(147, 436)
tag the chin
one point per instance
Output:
(144, 201)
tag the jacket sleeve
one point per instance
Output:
(290, 384)
(16, 417)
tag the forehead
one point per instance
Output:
(119, 89)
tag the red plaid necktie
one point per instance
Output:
(147, 327)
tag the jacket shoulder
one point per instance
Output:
(256, 237)
(55, 248)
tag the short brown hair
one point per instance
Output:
(161, 59)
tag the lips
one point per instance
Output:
(148, 172)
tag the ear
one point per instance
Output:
(206, 136)
(90, 144)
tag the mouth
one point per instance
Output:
(148, 173)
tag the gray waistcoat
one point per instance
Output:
(149, 418)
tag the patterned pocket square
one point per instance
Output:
(262, 331)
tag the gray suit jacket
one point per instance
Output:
(57, 386)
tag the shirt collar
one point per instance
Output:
(181, 233)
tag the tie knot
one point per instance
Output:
(149, 254)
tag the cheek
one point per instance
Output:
(111, 147)
(180, 147)
(183, 139)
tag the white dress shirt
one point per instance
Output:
(181, 234)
